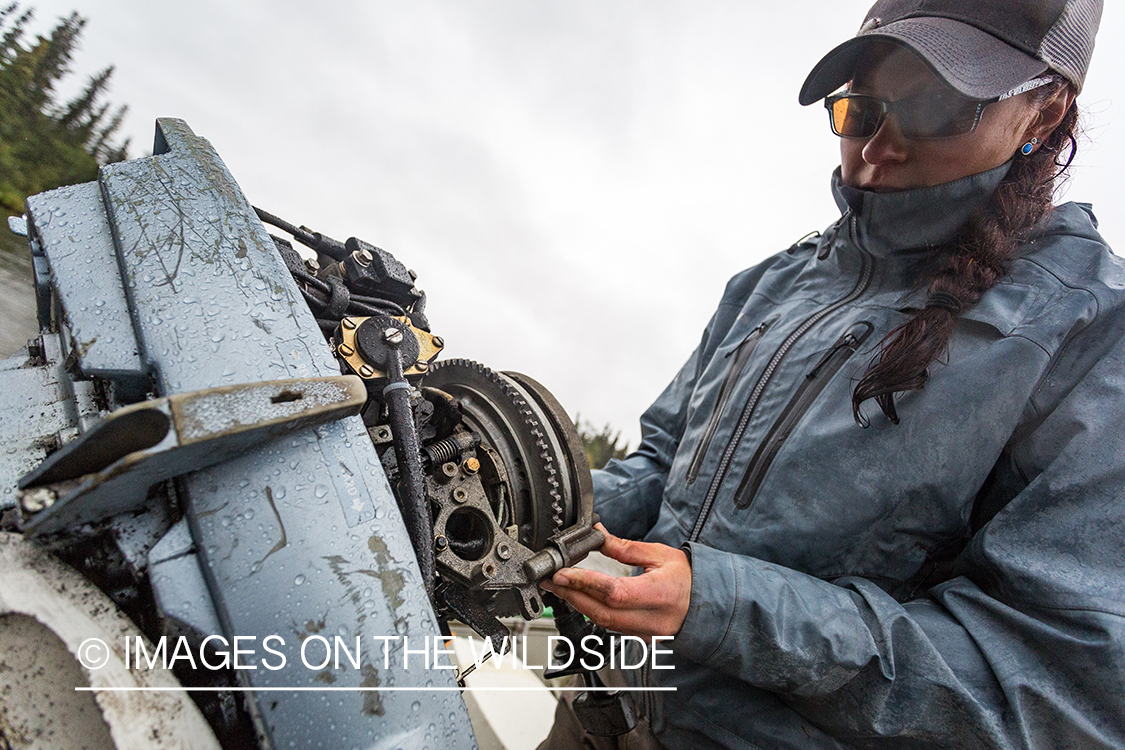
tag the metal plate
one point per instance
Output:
(299, 537)
(75, 235)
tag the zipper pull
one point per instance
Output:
(830, 238)
(852, 338)
(757, 332)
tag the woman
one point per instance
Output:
(883, 503)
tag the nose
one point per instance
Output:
(887, 146)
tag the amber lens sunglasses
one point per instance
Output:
(934, 114)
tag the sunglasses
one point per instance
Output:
(933, 114)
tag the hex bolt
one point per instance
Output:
(459, 495)
(37, 499)
(366, 371)
(313, 265)
(503, 551)
(449, 469)
(471, 465)
(345, 350)
(438, 342)
(348, 324)
(441, 544)
(392, 336)
(362, 257)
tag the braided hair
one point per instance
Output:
(970, 264)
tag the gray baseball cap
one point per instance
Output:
(982, 48)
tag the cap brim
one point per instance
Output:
(972, 61)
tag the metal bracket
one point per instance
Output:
(110, 469)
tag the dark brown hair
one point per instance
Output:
(969, 265)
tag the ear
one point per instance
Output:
(1051, 113)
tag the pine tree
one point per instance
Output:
(45, 144)
(601, 445)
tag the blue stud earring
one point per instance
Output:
(1029, 147)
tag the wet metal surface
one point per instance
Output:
(72, 224)
(33, 410)
(109, 469)
(301, 536)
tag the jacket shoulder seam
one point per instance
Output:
(1053, 274)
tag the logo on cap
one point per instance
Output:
(870, 24)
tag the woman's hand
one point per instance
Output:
(653, 603)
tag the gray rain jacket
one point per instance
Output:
(953, 581)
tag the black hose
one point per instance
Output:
(412, 489)
(322, 244)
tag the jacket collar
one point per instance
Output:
(886, 223)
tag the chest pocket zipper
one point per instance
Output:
(814, 382)
(739, 356)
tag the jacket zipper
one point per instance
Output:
(741, 355)
(806, 394)
(865, 274)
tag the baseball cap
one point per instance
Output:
(982, 48)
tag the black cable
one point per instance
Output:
(384, 305)
(332, 248)
(282, 224)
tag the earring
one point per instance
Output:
(1029, 147)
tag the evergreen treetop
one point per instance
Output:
(45, 143)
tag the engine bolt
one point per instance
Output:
(441, 544)
(489, 570)
(449, 469)
(459, 495)
(422, 366)
(313, 265)
(345, 350)
(438, 342)
(35, 500)
(362, 257)
(392, 336)
(471, 466)
(503, 551)
(348, 323)
(366, 371)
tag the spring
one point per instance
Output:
(452, 448)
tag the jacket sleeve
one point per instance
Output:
(628, 492)
(1024, 647)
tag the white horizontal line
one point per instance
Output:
(306, 689)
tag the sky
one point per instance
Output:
(573, 180)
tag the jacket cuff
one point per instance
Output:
(714, 592)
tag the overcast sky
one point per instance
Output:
(573, 180)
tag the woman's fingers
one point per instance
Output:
(629, 552)
(654, 603)
(597, 585)
(626, 621)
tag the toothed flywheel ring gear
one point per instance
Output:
(511, 421)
